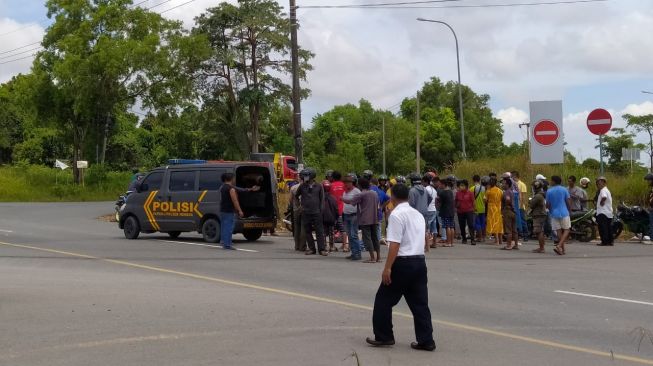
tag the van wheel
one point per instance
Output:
(252, 235)
(131, 228)
(174, 234)
(211, 231)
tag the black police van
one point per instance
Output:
(185, 198)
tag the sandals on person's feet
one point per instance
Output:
(506, 248)
(537, 251)
(345, 248)
(558, 251)
(369, 261)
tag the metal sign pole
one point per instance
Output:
(601, 152)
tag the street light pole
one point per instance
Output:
(460, 91)
(296, 92)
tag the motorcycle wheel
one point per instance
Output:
(586, 233)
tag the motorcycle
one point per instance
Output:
(633, 218)
(122, 200)
(583, 226)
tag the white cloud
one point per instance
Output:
(512, 116)
(14, 61)
(638, 109)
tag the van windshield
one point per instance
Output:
(256, 204)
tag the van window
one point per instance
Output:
(152, 182)
(182, 181)
(210, 180)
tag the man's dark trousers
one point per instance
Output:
(299, 232)
(313, 222)
(409, 279)
(605, 229)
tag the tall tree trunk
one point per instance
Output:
(105, 137)
(76, 143)
(650, 136)
(255, 105)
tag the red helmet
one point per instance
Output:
(326, 185)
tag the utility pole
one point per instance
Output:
(417, 144)
(296, 95)
(528, 137)
(383, 124)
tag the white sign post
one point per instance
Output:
(547, 139)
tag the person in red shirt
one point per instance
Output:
(465, 209)
(337, 190)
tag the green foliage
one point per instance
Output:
(630, 188)
(34, 183)
(643, 124)
(612, 149)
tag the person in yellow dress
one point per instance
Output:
(493, 197)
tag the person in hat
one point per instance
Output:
(604, 212)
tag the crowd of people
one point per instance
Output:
(495, 209)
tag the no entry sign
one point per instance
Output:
(546, 132)
(547, 140)
(599, 122)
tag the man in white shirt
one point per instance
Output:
(405, 274)
(604, 212)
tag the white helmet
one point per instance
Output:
(540, 177)
(584, 181)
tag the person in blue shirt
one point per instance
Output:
(383, 200)
(558, 201)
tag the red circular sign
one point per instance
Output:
(546, 132)
(599, 121)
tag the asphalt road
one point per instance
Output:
(73, 292)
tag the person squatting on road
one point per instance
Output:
(405, 274)
(604, 212)
(311, 195)
(367, 202)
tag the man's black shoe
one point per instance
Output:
(376, 343)
(423, 347)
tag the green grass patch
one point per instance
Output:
(631, 189)
(33, 183)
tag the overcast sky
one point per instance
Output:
(588, 55)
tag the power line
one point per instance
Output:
(24, 27)
(18, 59)
(31, 44)
(506, 5)
(390, 4)
(20, 53)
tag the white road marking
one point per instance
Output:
(605, 297)
(6, 231)
(207, 245)
(599, 122)
(546, 133)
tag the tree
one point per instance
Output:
(102, 56)
(643, 124)
(483, 132)
(250, 42)
(612, 149)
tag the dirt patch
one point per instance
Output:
(108, 218)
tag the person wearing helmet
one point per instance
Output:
(311, 195)
(383, 201)
(329, 215)
(604, 212)
(328, 175)
(585, 183)
(578, 195)
(299, 233)
(649, 203)
(537, 207)
(383, 182)
(367, 203)
(400, 179)
(367, 174)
